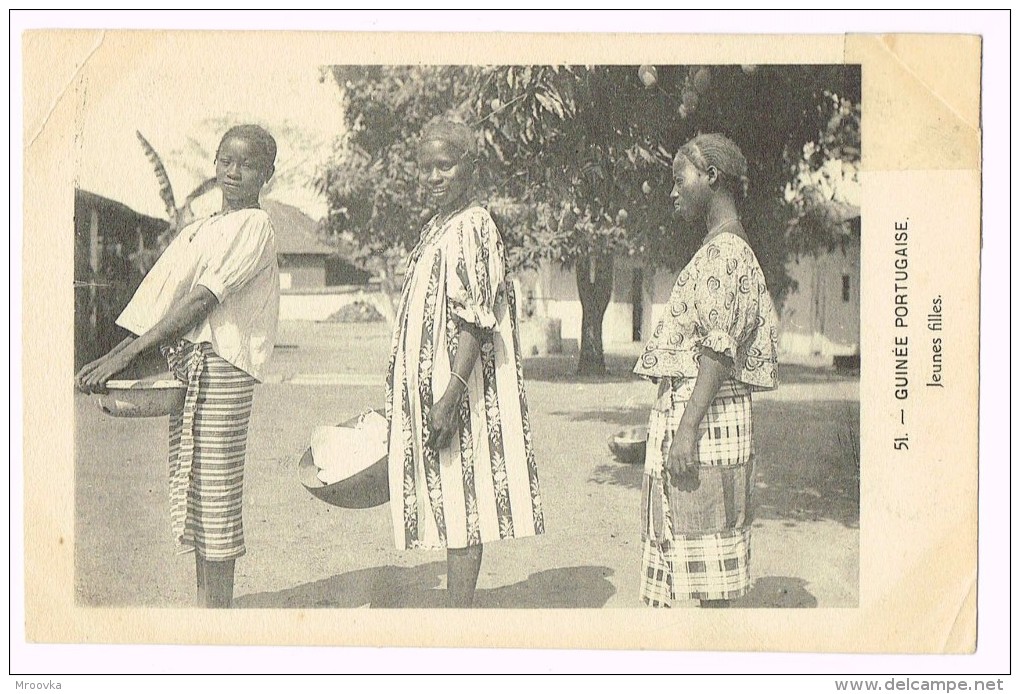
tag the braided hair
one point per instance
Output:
(458, 135)
(717, 150)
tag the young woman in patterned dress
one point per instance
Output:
(461, 464)
(715, 344)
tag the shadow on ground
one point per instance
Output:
(562, 368)
(807, 464)
(422, 587)
(622, 416)
(808, 461)
(778, 591)
(619, 474)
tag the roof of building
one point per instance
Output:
(296, 232)
(117, 210)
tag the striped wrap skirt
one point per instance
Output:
(696, 531)
(208, 440)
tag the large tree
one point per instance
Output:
(376, 209)
(578, 159)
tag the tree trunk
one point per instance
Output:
(594, 288)
(390, 292)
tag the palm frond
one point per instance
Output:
(203, 188)
(165, 189)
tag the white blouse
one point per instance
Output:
(233, 255)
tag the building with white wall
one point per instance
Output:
(819, 319)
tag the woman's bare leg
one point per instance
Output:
(200, 580)
(715, 603)
(462, 566)
(219, 583)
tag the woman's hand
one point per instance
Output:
(83, 372)
(93, 376)
(443, 419)
(682, 459)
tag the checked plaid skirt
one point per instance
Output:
(696, 532)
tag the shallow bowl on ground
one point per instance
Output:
(629, 445)
(365, 488)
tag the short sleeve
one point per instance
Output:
(164, 285)
(477, 269)
(234, 258)
(728, 300)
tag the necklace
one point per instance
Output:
(441, 221)
(433, 228)
(252, 206)
(438, 222)
(717, 229)
(199, 225)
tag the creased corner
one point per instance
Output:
(921, 101)
(961, 636)
(930, 88)
(36, 65)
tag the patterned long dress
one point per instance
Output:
(696, 531)
(484, 486)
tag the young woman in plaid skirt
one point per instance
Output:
(715, 344)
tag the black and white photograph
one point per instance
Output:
(506, 340)
(528, 336)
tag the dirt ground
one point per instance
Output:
(303, 553)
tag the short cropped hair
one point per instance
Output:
(260, 139)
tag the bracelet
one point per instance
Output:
(460, 378)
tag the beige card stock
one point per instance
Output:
(921, 174)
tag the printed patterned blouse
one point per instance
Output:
(719, 302)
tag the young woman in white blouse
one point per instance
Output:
(210, 304)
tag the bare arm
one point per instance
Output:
(195, 307)
(122, 344)
(83, 373)
(443, 416)
(713, 369)
(116, 350)
(469, 346)
(198, 304)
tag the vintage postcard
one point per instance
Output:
(356, 331)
